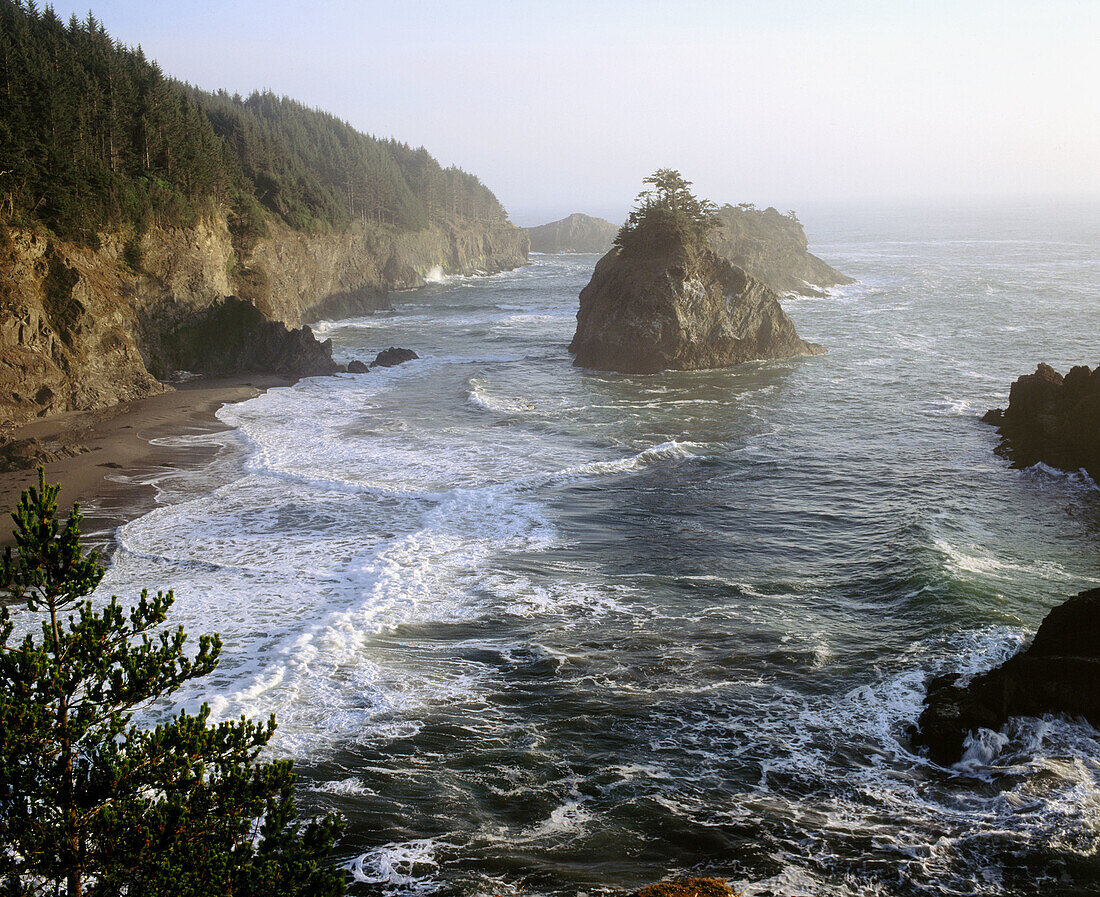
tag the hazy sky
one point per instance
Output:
(565, 106)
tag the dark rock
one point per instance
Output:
(577, 233)
(1052, 419)
(687, 887)
(387, 358)
(682, 308)
(23, 454)
(355, 366)
(233, 336)
(1059, 673)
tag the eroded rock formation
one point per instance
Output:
(773, 248)
(682, 308)
(1058, 673)
(577, 233)
(1052, 419)
(82, 328)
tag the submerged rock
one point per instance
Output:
(392, 356)
(681, 308)
(1059, 673)
(1052, 419)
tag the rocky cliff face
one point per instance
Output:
(684, 309)
(773, 248)
(1057, 673)
(83, 329)
(1052, 419)
(577, 233)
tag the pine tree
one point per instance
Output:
(92, 803)
(666, 214)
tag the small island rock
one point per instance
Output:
(387, 358)
(355, 366)
(577, 233)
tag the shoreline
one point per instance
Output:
(115, 447)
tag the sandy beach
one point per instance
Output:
(114, 450)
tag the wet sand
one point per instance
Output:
(108, 477)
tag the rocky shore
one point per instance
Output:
(86, 328)
(1052, 419)
(1058, 673)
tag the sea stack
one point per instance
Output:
(662, 299)
(577, 233)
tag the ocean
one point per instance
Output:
(537, 629)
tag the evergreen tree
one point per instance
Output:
(90, 802)
(666, 214)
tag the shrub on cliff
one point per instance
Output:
(666, 214)
(92, 803)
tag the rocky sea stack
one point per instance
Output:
(577, 233)
(1053, 419)
(1058, 673)
(663, 299)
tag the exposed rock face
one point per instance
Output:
(1058, 673)
(773, 248)
(355, 366)
(684, 309)
(1052, 419)
(81, 329)
(233, 336)
(393, 356)
(577, 233)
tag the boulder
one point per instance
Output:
(680, 307)
(387, 358)
(1052, 419)
(1058, 673)
(355, 366)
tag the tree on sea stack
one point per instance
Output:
(666, 214)
(90, 802)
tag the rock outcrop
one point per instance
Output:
(687, 887)
(1052, 419)
(683, 308)
(82, 328)
(773, 248)
(392, 357)
(577, 233)
(233, 336)
(1059, 673)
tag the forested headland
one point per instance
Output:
(93, 135)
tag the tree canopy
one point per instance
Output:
(666, 213)
(94, 136)
(93, 803)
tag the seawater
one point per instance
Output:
(537, 629)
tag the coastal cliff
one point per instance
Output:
(773, 248)
(576, 233)
(84, 328)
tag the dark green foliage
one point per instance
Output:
(91, 803)
(666, 214)
(316, 172)
(93, 135)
